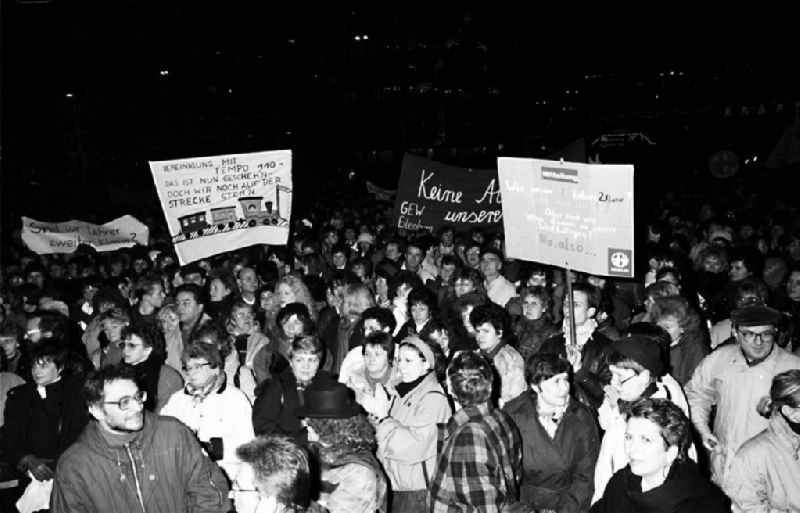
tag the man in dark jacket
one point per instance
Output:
(132, 460)
(588, 355)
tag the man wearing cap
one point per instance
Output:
(734, 378)
(498, 288)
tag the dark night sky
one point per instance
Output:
(92, 90)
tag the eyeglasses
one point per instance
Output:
(764, 336)
(192, 368)
(621, 381)
(127, 402)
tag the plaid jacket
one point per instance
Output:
(480, 460)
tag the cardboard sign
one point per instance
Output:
(221, 203)
(431, 195)
(569, 214)
(45, 238)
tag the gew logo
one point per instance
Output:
(620, 262)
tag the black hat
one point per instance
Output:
(642, 350)
(755, 315)
(328, 400)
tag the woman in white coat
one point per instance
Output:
(219, 414)
(407, 425)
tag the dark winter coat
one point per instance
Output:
(558, 472)
(684, 491)
(165, 461)
(275, 405)
(43, 427)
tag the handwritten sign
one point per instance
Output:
(220, 203)
(569, 214)
(431, 195)
(45, 238)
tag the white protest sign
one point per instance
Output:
(569, 214)
(221, 203)
(45, 238)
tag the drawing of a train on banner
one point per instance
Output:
(255, 212)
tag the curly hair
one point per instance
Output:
(674, 425)
(281, 469)
(471, 378)
(300, 291)
(342, 437)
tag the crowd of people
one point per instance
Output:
(361, 368)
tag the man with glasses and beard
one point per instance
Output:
(734, 378)
(128, 459)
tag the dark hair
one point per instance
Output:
(365, 262)
(51, 351)
(539, 292)
(192, 269)
(591, 292)
(493, 314)
(343, 437)
(240, 304)
(471, 378)
(213, 333)
(661, 289)
(93, 388)
(384, 317)
(675, 427)
(146, 284)
(409, 278)
(227, 279)
(751, 259)
(281, 468)
(748, 287)
(541, 367)
(298, 309)
(468, 273)
(422, 243)
(267, 271)
(450, 260)
(194, 290)
(785, 390)
(52, 322)
(151, 337)
(669, 270)
(425, 296)
(11, 329)
(204, 350)
(381, 339)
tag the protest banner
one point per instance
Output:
(44, 238)
(578, 216)
(431, 194)
(220, 203)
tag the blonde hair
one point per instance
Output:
(785, 390)
(300, 291)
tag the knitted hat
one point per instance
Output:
(642, 350)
